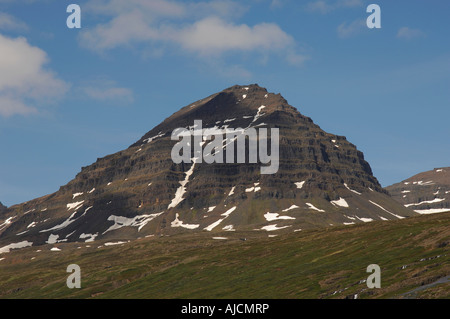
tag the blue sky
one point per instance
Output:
(69, 96)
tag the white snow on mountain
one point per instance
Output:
(178, 223)
(275, 216)
(340, 202)
(182, 189)
(311, 206)
(436, 200)
(300, 184)
(22, 244)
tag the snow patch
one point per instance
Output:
(76, 195)
(255, 188)
(366, 220)
(432, 211)
(436, 200)
(7, 222)
(275, 216)
(258, 114)
(148, 140)
(346, 186)
(340, 202)
(273, 227)
(182, 189)
(90, 237)
(311, 206)
(290, 208)
(229, 228)
(379, 206)
(22, 244)
(300, 184)
(53, 239)
(33, 224)
(215, 224)
(75, 205)
(179, 223)
(67, 222)
(137, 221)
(115, 243)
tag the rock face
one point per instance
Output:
(2, 208)
(322, 180)
(425, 193)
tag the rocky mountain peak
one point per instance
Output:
(237, 104)
(321, 180)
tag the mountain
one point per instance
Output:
(322, 180)
(2, 207)
(425, 193)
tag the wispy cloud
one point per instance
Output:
(408, 33)
(347, 30)
(202, 28)
(10, 23)
(326, 6)
(107, 91)
(25, 82)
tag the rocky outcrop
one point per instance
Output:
(425, 193)
(322, 180)
(2, 208)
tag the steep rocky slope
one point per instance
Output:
(2, 207)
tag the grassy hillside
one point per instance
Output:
(326, 263)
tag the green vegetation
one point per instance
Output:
(305, 264)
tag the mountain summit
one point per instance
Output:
(322, 180)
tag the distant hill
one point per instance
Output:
(425, 193)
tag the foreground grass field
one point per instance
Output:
(325, 263)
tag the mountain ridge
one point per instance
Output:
(322, 180)
(426, 192)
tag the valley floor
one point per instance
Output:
(327, 263)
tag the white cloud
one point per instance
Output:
(8, 22)
(24, 80)
(346, 30)
(123, 30)
(408, 33)
(107, 91)
(205, 28)
(215, 36)
(324, 6)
